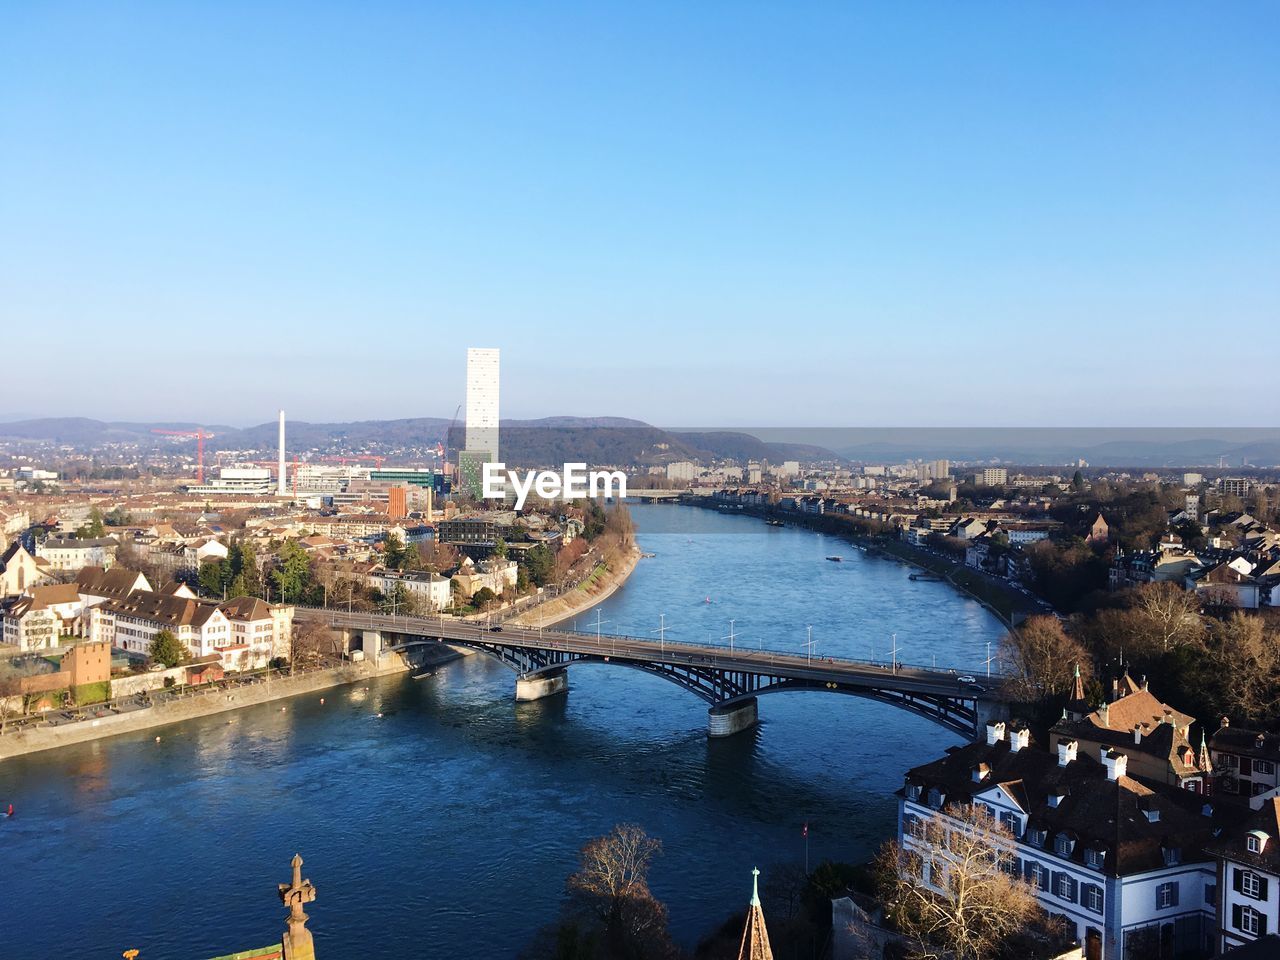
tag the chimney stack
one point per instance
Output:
(282, 489)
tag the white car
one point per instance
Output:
(967, 679)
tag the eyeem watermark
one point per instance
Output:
(572, 483)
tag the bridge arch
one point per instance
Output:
(724, 689)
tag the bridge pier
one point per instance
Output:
(541, 685)
(371, 644)
(724, 720)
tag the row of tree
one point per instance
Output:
(1210, 661)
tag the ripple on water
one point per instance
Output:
(455, 818)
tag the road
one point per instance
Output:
(860, 673)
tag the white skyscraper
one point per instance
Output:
(482, 401)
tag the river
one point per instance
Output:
(446, 827)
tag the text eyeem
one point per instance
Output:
(572, 483)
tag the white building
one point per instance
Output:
(132, 623)
(993, 477)
(1249, 878)
(682, 471)
(1121, 861)
(431, 591)
(75, 554)
(482, 401)
(237, 481)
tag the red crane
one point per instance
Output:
(200, 436)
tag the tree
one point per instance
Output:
(94, 528)
(1042, 658)
(1169, 615)
(210, 578)
(118, 516)
(166, 649)
(394, 552)
(482, 598)
(1247, 658)
(292, 574)
(540, 562)
(611, 886)
(499, 549)
(956, 891)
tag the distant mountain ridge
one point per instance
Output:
(543, 442)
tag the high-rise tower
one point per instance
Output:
(481, 443)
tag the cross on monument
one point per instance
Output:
(297, 938)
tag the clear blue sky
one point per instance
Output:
(688, 213)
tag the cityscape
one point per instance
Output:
(414, 371)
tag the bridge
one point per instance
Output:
(728, 680)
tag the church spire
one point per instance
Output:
(755, 938)
(1205, 764)
(1077, 692)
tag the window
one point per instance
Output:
(1065, 887)
(1251, 885)
(1092, 898)
(1010, 820)
(1036, 837)
(1167, 895)
(935, 798)
(1263, 766)
(1095, 858)
(1250, 920)
(1172, 856)
(1062, 845)
(1211, 894)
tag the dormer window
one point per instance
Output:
(1256, 841)
(1172, 856)
(935, 798)
(1063, 845)
(1036, 836)
(1095, 858)
(913, 791)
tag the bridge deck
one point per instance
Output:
(860, 673)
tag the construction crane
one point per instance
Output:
(200, 436)
(444, 447)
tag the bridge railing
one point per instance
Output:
(414, 625)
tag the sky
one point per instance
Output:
(923, 214)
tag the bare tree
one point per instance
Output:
(1042, 657)
(1169, 614)
(954, 889)
(612, 886)
(1247, 659)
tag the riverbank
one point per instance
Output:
(1001, 600)
(203, 702)
(600, 585)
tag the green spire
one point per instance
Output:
(1077, 669)
(755, 886)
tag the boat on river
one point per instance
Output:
(836, 559)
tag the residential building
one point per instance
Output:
(260, 632)
(1248, 875)
(1120, 860)
(131, 624)
(73, 554)
(1236, 486)
(1246, 761)
(497, 575)
(94, 584)
(1154, 735)
(993, 477)
(431, 592)
(1226, 585)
